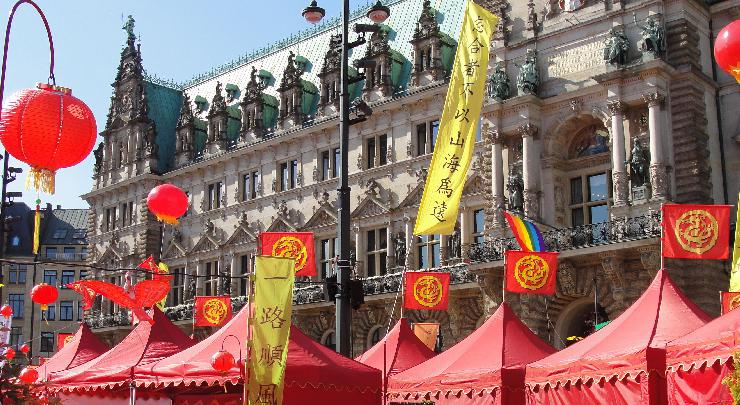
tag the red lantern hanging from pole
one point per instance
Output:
(222, 361)
(6, 311)
(167, 202)
(9, 353)
(727, 49)
(28, 375)
(49, 129)
(25, 349)
(44, 294)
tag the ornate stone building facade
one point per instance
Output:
(595, 117)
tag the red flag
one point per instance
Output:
(298, 245)
(212, 311)
(426, 290)
(696, 231)
(730, 301)
(63, 339)
(531, 272)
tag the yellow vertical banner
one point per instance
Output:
(453, 150)
(273, 303)
(735, 269)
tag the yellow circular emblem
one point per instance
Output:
(69, 339)
(531, 272)
(734, 302)
(290, 246)
(696, 231)
(428, 291)
(214, 310)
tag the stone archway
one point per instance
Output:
(576, 319)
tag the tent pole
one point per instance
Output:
(662, 235)
(596, 302)
(132, 393)
(385, 370)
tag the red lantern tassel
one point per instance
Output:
(41, 180)
(37, 227)
(167, 219)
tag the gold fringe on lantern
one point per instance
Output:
(41, 180)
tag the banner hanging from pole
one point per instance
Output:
(453, 150)
(426, 290)
(273, 303)
(693, 231)
(531, 272)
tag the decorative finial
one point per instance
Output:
(129, 28)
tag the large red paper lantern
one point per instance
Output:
(727, 49)
(6, 311)
(9, 353)
(25, 348)
(28, 375)
(222, 361)
(44, 294)
(167, 202)
(49, 129)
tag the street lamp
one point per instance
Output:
(313, 14)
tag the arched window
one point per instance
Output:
(590, 180)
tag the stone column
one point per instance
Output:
(466, 232)
(497, 175)
(658, 178)
(360, 245)
(530, 173)
(444, 255)
(619, 170)
(409, 227)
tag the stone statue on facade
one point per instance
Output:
(616, 48)
(454, 245)
(639, 162)
(528, 79)
(98, 157)
(129, 28)
(515, 186)
(499, 87)
(399, 245)
(653, 36)
(190, 290)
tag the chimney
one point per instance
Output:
(48, 207)
(59, 206)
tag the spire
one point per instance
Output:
(186, 113)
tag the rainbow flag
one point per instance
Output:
(526, 234)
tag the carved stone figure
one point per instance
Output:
(653, 36)
(190, 291)
(499, 87)
(99, 157)
(399, 244)
(639, 162)
(129, 28)
(515, 186)
(453, 245)
(616, 48)
(528, 79)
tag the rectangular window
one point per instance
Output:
(284, 176)
(214, 195)
(16, 302)
(47, 342)
(250, 184)
(590, 199)
(288, 175)
(51, 253)
(597, 187)
(426, 137)
(110, 219)
(433, 131)
(428, 249)
(80, 311)
(337, 168)
(83, 253)
(328, 249)
(370, 147)
(178, 286)
(59, 234)
(66, 310)
(325, 165)
(244, 272)
(83, 274)
(377, 252)
(478, 226)
(17, 274)
(127, 213)
(293, 174)
(68, 276)
(50, 313)
(69, 253)
(50, 277)
(16, 336)
(211, 278)
(376, 148)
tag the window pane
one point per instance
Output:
(433, 130)
(371, 240)
(383, 141)
(293, 173)
(337, 163)
(370, 148)
(478, 221)
(597, 187)
(421, 139)
(51, 253)
(423, 257)
(599, 213)
(576, 191)
(50, 313)
(50, 277)
(435, 255)
(383, 238)
(47, 342)
(66, 311)
(16, 302)
(577, 217)
(383, 265)
(283, 176)
(245, 187)
(371, 265)
(325, 165)
(255, 181)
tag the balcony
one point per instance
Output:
(63, 257)
(557, 240)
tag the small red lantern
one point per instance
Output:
(167, 202)
(6, 311)
(9, 353)
(28, 375)
(49, 129)
(222, 361)
(25, 348)
(44, 294)
(727, 49)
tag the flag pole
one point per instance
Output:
(503, 281)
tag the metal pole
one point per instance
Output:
(6, 158)
(343, 315)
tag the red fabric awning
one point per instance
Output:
(145, 344)
(84, 347)
(633, 345)
(314, 373)
(400, 350)
(492, 358)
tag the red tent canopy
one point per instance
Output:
(623, 362)
(487, 367)
(400, 349)
(84, 347)
(699, 361)
(146, 343)
(315, 374)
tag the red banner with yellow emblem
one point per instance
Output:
(426, 290)
(63, 339)
(531, 272)
(730, 301)
(696, 231)
(212, 311)
(296, 245)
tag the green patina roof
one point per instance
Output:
(234, 111)
(201, 125)
(164, 109)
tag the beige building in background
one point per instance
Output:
(587, 148)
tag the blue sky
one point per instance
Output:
(179, 38)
